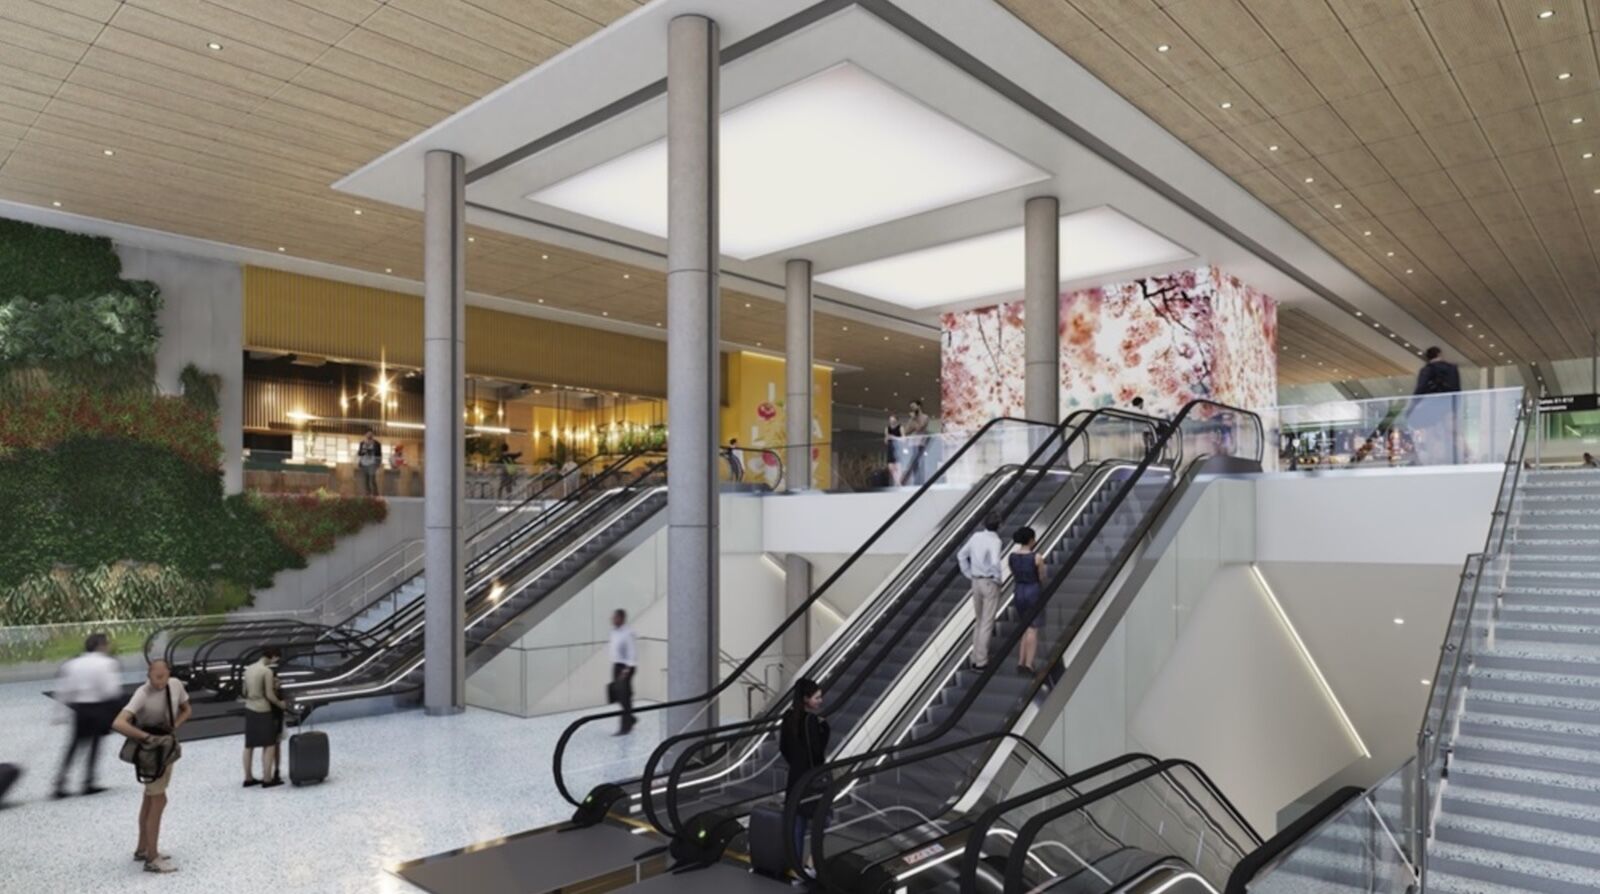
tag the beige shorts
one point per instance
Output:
(159, 787)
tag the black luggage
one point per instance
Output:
(767, 855)
(308, 758)
(8, 778)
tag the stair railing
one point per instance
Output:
(1471, 629)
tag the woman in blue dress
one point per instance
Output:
(1027, 569)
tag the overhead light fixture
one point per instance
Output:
(544, 257)
(1443, 301)
(1311, 180)
(108, 152)
(388, 270)
(1092, 243)
(1337, 205)
(1163, 48)
(1358, 313)
(1390, 254)
(1377, 325)
(627, 276)
(358, 212)
(1272, 148)
(833, 153)
(1564, 76)
(213, 45)
(280, 248)
(1578, 119)
(1545, 14)
(1408, 271)
(605, 313)
(1227, 105)
(1366, 232)
(55, 204)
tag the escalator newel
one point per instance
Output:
(702, 841)
(594, 808)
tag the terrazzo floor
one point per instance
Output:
(402, 786)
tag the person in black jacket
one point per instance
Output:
(1433, 411)
(803, 742)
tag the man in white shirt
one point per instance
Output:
(91, 686)
(158, 708)
(624, 661)
(980, 563)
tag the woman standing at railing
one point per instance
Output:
(891, 447)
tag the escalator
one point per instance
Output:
(516, 559)
(508, 596)
(938, 697)
(869, 835)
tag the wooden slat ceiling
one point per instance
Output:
(240, 144)
(1444, 150)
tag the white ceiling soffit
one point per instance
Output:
(1094, 244)
(836, 152)
(1146, 173)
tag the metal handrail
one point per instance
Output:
(1453, 653)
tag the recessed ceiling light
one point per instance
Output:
(658, 325)
(1337, 205)
(1093, 243)
(1588, 155)
(1564, 76)
(214, 45)
(844, 328)
(1408, 271)
(280, 248)
(541, 300)
(1163, 48)
(1427, 682)
(886, 338)
(1366, 232)
(605, 313)
(837, 360)
(1578, 120)
(1391, 335)
(758, 344)
(1390, 254)
(627, 276)
(1358, 313)
(544, 257)
(388, 270)
(55, 204)
(1458, 313)
(747, 304)
(358, 212)
(1227, 105)
(1272, 148)
(1469, 325)
(108, 152)
(836, 152)
(1311, 180)
(1545, 14)
(1377, 325)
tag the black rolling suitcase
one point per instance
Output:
(766, 842)
(308, 758)
(8, 778)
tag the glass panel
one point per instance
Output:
(1424, 430)
(1356, 849)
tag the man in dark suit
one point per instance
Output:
(1433, 410)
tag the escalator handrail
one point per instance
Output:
(1030, 829)
(836, 782)
(1287, 839)
(473, 610)
(223, 629)
(1154, 450)
(799, 612)
(730, 733)
(560, 478)
(1079, 423)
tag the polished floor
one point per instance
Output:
(402, 786)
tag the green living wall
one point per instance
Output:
(111, 502)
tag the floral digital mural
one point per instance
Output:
(1169, 339)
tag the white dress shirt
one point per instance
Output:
(91, 678)
(980, 556)
(623, 648)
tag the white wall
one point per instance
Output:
(202, 322)
(1428, 516)
(818, 523)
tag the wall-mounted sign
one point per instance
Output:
(1569, 403)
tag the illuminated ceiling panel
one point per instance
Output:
(1096, 242)
(834, 153)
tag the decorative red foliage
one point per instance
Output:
(311, 523)
(45, 418)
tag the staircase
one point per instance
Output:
(1521, 808)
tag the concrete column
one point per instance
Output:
(1042, 309)
(796, 590)
(797, 374)
(444, 289)
(693, 334)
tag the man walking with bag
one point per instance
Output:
(151, 721)
(624, 661)
(979, 559)
(90, 685)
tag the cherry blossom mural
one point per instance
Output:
(1169, 339)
